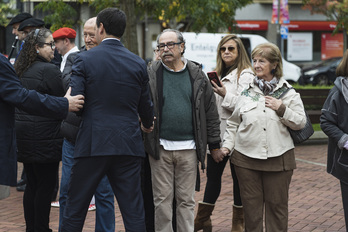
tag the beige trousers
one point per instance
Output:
(174, 176)
(267, 192)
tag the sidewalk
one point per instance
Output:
(315, 200)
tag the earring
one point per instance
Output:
(37, 51)
(272, 71)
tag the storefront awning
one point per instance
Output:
(311, 25)
(261, 25)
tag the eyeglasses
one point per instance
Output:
(170, 45)
(230, 49)
(52, 44)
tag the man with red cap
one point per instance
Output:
(64, 39)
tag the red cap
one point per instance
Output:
(64, 32)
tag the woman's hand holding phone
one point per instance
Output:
(218, 87)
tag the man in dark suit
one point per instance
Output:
(114, 82)
(12, 95)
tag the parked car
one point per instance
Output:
(323, 73)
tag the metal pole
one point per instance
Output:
(278, 27)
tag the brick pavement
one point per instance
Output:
(315, 200)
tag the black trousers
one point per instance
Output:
(41, 181)
(123, 173)
(213, 186)
(344, 191)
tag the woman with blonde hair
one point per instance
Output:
(235, 72)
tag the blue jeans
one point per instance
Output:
(104, 196)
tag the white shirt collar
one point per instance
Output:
(65, 57)
(172, 70)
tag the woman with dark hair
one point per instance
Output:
(234, 67)
(335, 125)
(38, 141)
(262, 149)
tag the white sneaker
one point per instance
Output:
(92, 207)
(55, 204)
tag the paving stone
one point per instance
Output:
(315, 203)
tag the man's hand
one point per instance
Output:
(75, 102)
(147, 130)
(217, 155)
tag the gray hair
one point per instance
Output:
(178, 35)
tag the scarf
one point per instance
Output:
(267, 87)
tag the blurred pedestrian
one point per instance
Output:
(263, 150)
(115, 84)
(334, 123)
(235, 72)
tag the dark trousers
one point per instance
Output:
(213, 186)
(123, 173)
(344, 191)
(41, 180)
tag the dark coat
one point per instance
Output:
(70, 126)
(334, 123)
(206, 118)
(114, 82)
(38, 138)
(12, 95)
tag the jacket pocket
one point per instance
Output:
(248, 113)
(342, 166)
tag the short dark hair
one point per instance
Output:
(113, 20)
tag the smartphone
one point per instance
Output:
(214, 77)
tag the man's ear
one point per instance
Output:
(101, 29)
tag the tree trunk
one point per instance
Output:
(130, 37)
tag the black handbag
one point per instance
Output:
(299, 136)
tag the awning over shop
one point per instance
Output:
(261, 25)
(311, 25)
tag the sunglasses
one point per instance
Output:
(230, 49)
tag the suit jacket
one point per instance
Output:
(12, 95)
(114, 82)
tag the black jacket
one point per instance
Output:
(38, 138)
(70, 126)
(334, 123)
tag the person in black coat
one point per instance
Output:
(109, 141)
(39, 142)
(12, 95)
(334, 123)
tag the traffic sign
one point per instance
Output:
(284, 31)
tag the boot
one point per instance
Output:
(202, 220)
(237, 219)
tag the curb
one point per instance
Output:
(319, 137)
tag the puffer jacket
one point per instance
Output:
(38, 138)
(205, 115)
(334, 123)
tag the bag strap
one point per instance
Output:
(281, 92)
